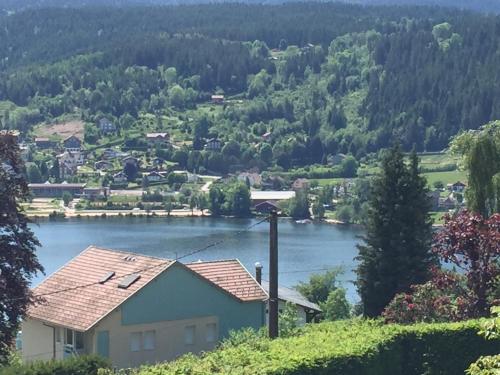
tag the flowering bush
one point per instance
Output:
(442, 299)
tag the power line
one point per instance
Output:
(214, 244)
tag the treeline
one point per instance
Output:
(47, 35)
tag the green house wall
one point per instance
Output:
(180, 294)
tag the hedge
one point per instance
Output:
(84, 365)
(350, 347)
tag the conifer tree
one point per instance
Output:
(396, 252)
(18, 261)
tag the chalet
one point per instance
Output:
(106, 126)
(158, 138)
(448, 203)
(72, 143)
(154, 177)
(271, 196)
(300, 184)
(217, 99)
(213, 144)
(135, 309)
(48, 190)
(103, 165)
(119, 178)
(69, 161)
(457, 187)
(266, 207)
(44, 143)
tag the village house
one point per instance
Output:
(158, 138)
(254, 179)
(213, 144)
(457, 187)
(103, 165)
(48, 190)
(44, 143)
(300, 184)
(69, 161)
(106, 126)
(434, 199)
(72, 143)
(154, 177)
(135, 309)
(447, 203)
(110, 153)
(119, 178)
(217, 99)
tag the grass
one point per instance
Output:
(329, 181)
(438, 217)
(445, 177)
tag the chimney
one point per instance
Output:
(258, 272)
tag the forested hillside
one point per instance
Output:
(315, 79)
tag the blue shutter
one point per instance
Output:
(103, 343)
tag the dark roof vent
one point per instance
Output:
(129, 280)
(106, 277)
(129, 258)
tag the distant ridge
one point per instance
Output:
(477, 5)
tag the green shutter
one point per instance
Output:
(103, 343)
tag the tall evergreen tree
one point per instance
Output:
(18, 261)
(396, 251)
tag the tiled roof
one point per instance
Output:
(231, 276)
(83, 307)
(83, 301)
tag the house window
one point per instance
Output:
(78, 340)
(211, 332)
(189, 335)
(149, 340)
(68, 340)
(135, 341)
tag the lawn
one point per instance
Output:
(329, 181)
(446, 177)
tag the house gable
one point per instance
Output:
(180, 293)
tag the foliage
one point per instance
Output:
(396, 251)
(336, 306)
(67, 197)
(489, 365)
(320, 285)
(288, 320)
(298, 206)
(18, 261)
(82, 365)
(444, 298)
(472, 243)
(345, 347)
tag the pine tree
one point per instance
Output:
(18, 261)
(396, 251)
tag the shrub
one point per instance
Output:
(346, 347)
(84, 365)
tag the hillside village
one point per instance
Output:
(69, 177)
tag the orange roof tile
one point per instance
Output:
(88, 302)
(231, 276)
(73, 297)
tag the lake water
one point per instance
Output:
(304, 249)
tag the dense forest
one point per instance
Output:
(319, 78)
(481, 5)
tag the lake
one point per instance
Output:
(304, 249)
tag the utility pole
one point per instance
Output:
(273, 275)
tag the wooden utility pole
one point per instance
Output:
(273, 275)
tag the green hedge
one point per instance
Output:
(85, 365)
(489, 365)
(351, 347)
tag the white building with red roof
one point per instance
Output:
(136, 309)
